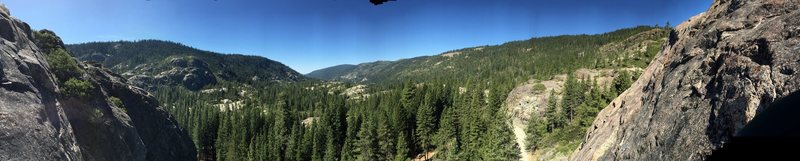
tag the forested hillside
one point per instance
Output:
(697, 91)
(154, 62)
(319, 121)
(400, 117)
(332, 72)
(513, 62)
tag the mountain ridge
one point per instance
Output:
(446, 64)
(165, 62)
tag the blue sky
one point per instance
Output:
(312, 34)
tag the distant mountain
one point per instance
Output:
(155, 62)
(331, 72)
(538, 57)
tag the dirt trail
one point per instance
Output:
(519, 133)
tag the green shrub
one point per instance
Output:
(622, 82)
(539, 87)
(47, 40)
(63, 65)
(96, 115)
(77, 88)
(116, 102)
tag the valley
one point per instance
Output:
(356, 112)
(635, 93)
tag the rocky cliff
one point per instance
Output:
(717, 71)
(109, 120)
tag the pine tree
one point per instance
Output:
(402, 148)
(348, 151)
(367, 145)
(593, 104)
(553, 117)
(448, 150)
(573, 97)
(448, 126)
(335, 121)
(426, 123)
(318, 146)
(223, 133)
(387, 141)
(473, 127)
(304, 148)
(498, 143)
(535, 130)
(280, 129)
(407, 97)
(622, 82)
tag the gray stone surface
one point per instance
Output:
(33, 124)
(37, 123)
(193, 74)
(717, 71)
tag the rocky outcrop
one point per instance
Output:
(33, 124)
(717, 71)
(192, 74)
(160, 134)
(114, 121)
(531, 98)
(157, 63)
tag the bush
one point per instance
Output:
(96, 115)
(77, 88)
(47, 40)
(116, 102)
(539, 87)
(622, 82)
(63, 65)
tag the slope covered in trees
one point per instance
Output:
(458, 118)
(148, 62)
(450, 106)
(513, 62)
(317, 121)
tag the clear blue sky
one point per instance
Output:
(312, 34)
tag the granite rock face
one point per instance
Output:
(33, 124)
(192, 74)
(37, 122)
(160, 134)
(717, 71)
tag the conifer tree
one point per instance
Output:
(498, 143)
(426, 123)
(367, 147)
(535, 130)
(402, 148)
(387, 141)
(621, 82)
(553, 117)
